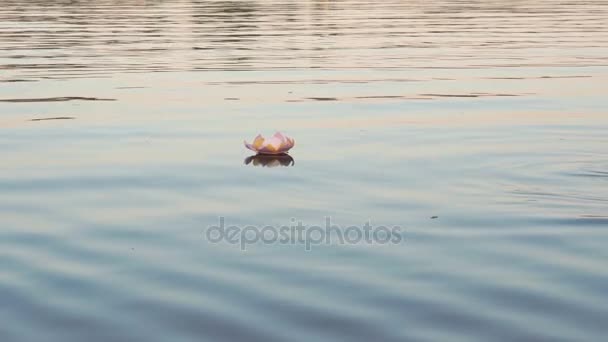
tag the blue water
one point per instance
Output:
(477, 127)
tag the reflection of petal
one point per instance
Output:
(270, 160)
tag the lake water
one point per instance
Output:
(477, 127)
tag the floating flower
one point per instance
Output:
(278, 144)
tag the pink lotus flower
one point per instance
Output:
(278, 144)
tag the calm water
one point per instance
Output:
(490, 116)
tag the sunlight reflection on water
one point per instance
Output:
(478, 126)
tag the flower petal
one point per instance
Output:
(279, 135)
(258, 142)
(251, 147)
(269, 149)
(274, 143)
(283, 149)
(291, 142)
(277, 144)
(287, 145)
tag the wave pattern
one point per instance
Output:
(60, 39)
(477, 126)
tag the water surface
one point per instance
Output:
(477, 126)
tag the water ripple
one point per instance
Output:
(479, 127)
(69, 39)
